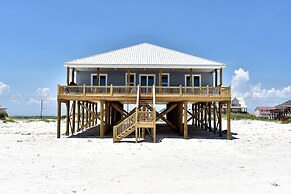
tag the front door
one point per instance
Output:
(195, 80)
(146, 80)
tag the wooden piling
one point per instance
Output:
(67, 117)
(59, 119)
(185, 121)
(102, 132)
(228, 122)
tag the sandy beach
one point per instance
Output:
(257, 160)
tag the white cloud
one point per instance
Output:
(3, 87)
(43, 91)
(257, 92)
(240, 82)
(241, 87)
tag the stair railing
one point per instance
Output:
(137, 96)
(126, 124)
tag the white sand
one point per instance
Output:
(33, 160)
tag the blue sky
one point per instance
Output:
(37, 37)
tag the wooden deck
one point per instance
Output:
(128, 94)
(206, 105)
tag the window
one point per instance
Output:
(102, 79)
(196, 80)
(147, 79)
(132, 80)
(165, 79)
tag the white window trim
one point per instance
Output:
(147, 78)
(193, 75)
(168, 74)
(134, 74)
(101, 74)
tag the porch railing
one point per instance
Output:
(144, 90)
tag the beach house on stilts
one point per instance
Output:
(144, 75)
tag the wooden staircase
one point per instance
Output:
(140, 117)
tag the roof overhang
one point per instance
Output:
(144, 56)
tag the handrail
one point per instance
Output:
(137, 96)
(125, 124)
(145, 90)
(154, 96)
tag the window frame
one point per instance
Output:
(101, 74)
(134, 74)
(193, 75)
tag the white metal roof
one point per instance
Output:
(144, 55)
(241, 101)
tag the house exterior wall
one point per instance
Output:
(117, 77)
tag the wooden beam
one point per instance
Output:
(123, 112)
(59, 119)
(228, 122)
(166, 111)
(158, 115)
(68, 75)
(185, 121)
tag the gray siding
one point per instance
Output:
(117, 77)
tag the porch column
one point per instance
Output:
(97, 76)
(191, 78)
(128, 77)
(220, 76)
(73, 75)
(215, 78)
(160, 77)
(68, 75)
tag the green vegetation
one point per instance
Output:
(242, 116)
(3, 114)
(48, 120)
(7, 120)
(286, 122)
(247, 116)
